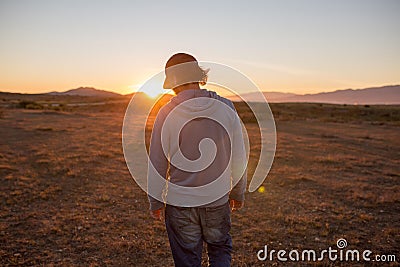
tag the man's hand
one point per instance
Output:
(236, 204)
(157, 214)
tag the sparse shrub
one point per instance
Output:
(34, 106)
(44, 129)
(59, 107)
(26, 104)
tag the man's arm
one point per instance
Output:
(158, 166)
(239, 160)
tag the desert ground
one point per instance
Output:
(68, 199)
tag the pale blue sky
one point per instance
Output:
(291, 46)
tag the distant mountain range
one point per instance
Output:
(87, 91)
(387, 95)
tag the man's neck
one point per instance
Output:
(189, 86)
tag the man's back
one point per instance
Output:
(206, 116)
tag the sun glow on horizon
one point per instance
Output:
(152, 94)
(151, 90)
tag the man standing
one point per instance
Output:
(180, 162)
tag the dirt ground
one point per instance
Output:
(67, 198)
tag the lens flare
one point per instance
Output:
(261, 189)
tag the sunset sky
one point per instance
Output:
(288, 46)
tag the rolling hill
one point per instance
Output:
(386, 95)
(87, 91)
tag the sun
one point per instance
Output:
(152, 92)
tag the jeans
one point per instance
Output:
(188, 228)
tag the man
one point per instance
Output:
(190, 225)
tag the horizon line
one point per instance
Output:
(264, 91)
